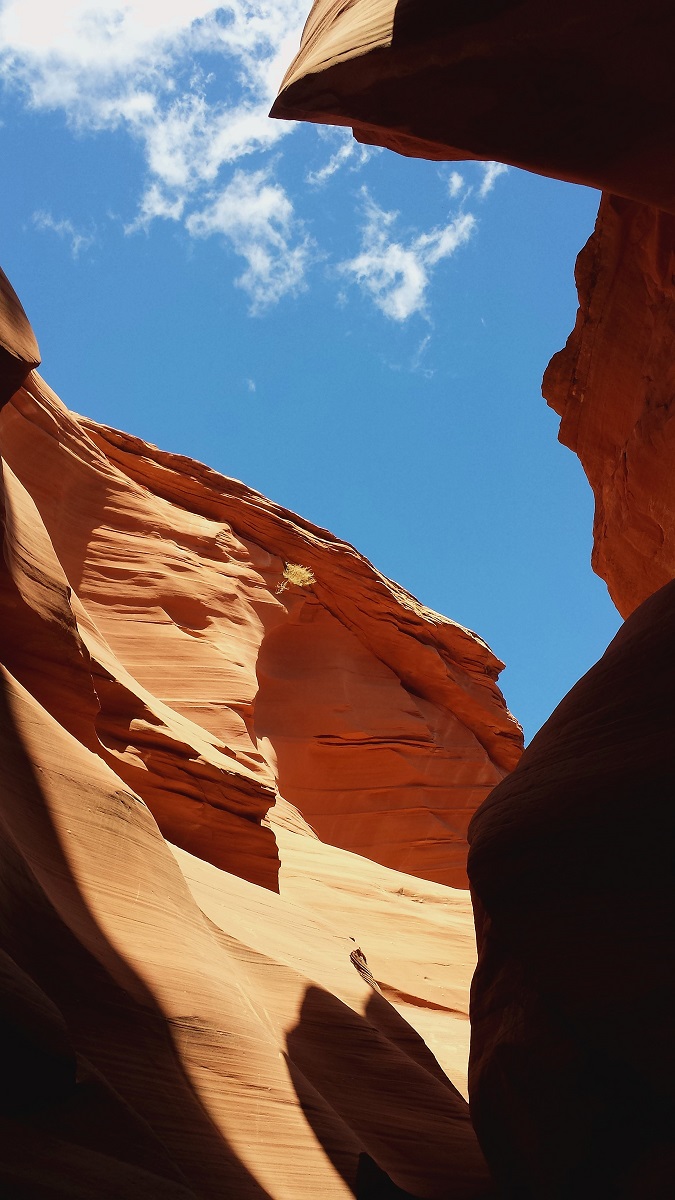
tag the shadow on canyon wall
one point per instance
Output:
(349, 1087)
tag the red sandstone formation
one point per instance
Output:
(172, 1030)
(187, 1020)
(579, 91)
(614, 384)
(199, 996)
(19, 352)
(207, 689)
(573, 1055)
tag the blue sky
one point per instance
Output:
(359, 336)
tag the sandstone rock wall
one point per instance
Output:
(571, 866)
(19, 352)
(212, 980)
(171, 1030)
(209, 690)
(581, 92)
(204, 990)
(614, 388)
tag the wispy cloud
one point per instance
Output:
(491, 172)
(133, 64)
(416, 363)
(348, 152)
(143, 66)
(396, 275)
(78, 238)
(255, 214)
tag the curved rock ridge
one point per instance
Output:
(168, 640)
(19, 353)
(567, 91)
(571, 865)
(614, 387)
(170, 1030)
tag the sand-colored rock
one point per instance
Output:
(581, 92)
(203, 1038)
(614, 386)
(573, 1056)
(19, 352)
(250, 1011)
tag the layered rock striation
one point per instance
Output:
(210, 683)
(172, 1030)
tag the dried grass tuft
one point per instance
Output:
(297, 574)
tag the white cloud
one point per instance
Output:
(491, 172)
(416, 364)
(131, 64)
(107, 63)
(394, 275)
(138, 66)
(79, 240)
(90, 49)
(337, 160)
(255, 214)
(350, 151)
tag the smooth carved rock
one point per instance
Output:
(218, 1028)
(614, 387)
(580, 91)
(19, 353)
(571, 865)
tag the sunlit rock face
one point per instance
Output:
(210, 683)
(170, 1029)
(221, 729)
(571, 866)
(614, 387)
(576, 91)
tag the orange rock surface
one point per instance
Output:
(19, 352)
(209, 690)
(176, 1031)
(234, 952)
(613, 385)
(212, 981)
(571, 861)
(580, 91)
